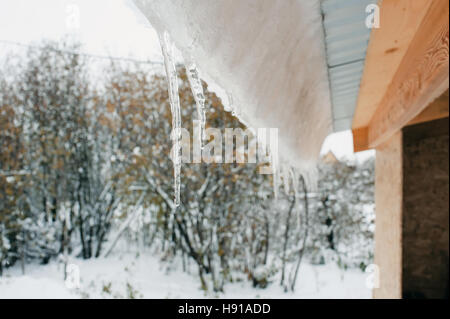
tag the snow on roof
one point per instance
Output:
(267, 55)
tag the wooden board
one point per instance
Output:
(399, 22)
(436, 110)
(388, 221)
(421, 77)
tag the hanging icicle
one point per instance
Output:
(286, 180)
(295, 177)
(227, 107)
(276, 173)
(174, 98)
(199, 96)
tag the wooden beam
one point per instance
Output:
(421, 77)
(435, 111)
(360, 139)
(399, 22)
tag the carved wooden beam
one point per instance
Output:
(421, 74)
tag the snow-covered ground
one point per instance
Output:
(130, 276)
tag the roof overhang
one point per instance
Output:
(269, 56)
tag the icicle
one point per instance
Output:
(275, 184)
(228, 107)
(231, 107)
(286, 180)
(295, 177)
(269, 152)
(276, 173)
(197, 91)
(174, 98)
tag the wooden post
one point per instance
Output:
(388, 224)
(412, 212)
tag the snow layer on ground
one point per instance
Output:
(269, 57)
(129, 276)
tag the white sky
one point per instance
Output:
(105, 27)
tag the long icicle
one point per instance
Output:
(199, 97)
(234, 109)
(275, 171)
(273, 148)
(174, 98)
(286, 179)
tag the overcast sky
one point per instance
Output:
(107, 27)
(104, 27)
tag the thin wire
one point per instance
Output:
(95, 56)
